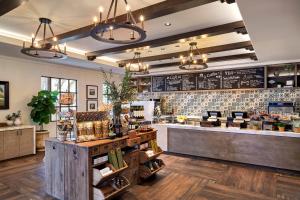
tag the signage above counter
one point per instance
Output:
(214, 80)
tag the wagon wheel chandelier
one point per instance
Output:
(138, 67)
(104, 29)
(44, 49)
(190, 62)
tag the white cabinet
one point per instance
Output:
(162, 135)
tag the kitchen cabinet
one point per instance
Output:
(16, 142)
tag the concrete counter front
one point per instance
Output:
(266, 148)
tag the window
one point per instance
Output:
(105, 93)
(62, 86)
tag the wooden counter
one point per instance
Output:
(69, 165)
(266, 148)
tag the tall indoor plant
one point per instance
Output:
(43, 105)
(118, 94)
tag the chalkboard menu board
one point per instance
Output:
(243, 78)
(189, 82)
(158, 83)
(227, 79)
(210, 80)
(173, 83)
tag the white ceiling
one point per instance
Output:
(272, 25)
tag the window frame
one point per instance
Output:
(59, 106)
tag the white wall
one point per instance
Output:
(24, 78)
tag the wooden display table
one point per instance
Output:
(69, 165)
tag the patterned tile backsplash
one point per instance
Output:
(199, 102)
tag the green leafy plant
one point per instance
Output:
(43, 105)
(119, 93)
(9, 117)
(280, 124)
(13, 116)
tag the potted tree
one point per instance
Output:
(118, 94)
(43, 105)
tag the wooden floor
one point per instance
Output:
(184, 178)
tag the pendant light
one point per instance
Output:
(104, 29)
(190, 62)
(43, 49)
(138, 67)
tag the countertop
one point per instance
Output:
(11, 128)
(93, 143)
(232, 130)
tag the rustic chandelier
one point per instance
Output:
(104, 29)
(138, 67)
(190, 62)
(44, 49)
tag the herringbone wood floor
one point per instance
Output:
(184, 178)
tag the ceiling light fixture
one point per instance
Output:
(44, 49)
(104, 29)
(190, 62)
(167, 23)
(138, 67)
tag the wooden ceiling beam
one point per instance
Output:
(207, 50)
(8, 5)
(151, 12)
(212, 31)
(210, 60)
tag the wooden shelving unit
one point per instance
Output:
(74, 164)
(145, 158)
(108, 187)
(145, 172)
(112, 175)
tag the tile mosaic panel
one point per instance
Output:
(197, 103)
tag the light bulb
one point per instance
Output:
(191, 54)
(54, 39)
(181, 57)
(195, 61)
(101, 9)
(142, 18)
(32, 35)
(204, 58)
(111, 28)
(95, 19)
(128, 8)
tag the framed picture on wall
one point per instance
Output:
(92, 105)
(4, 95)
(92, 92)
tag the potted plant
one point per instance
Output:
(9, 120)
(281, 126)
(17, 118)
(43, 105)
(296, 126)
(118, 94)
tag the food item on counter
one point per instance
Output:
(105, 128)
(98, 129)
